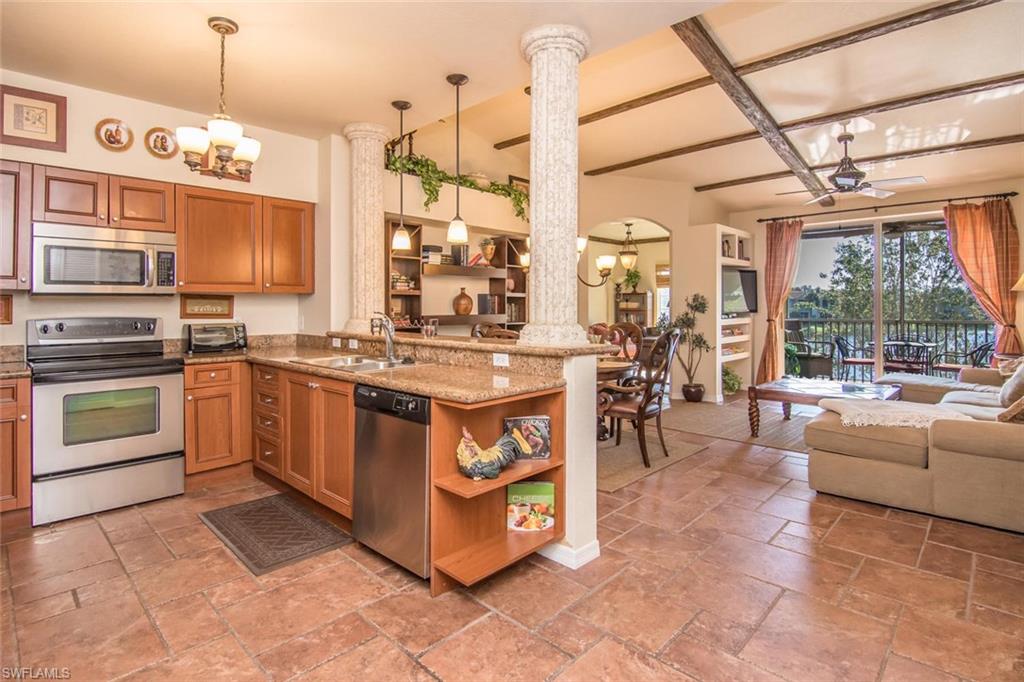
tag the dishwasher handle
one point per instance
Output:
(405, 406)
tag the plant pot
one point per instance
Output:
(694, 393)
(462, 304)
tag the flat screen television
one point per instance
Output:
(739, 291)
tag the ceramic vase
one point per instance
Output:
(463, 303)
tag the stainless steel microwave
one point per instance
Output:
(74, 259)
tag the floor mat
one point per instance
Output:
(730, 421)
(618, 466)
(272, 532)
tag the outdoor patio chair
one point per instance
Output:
(905, 356)
(954, 361)
(815, 356)
(851, 356)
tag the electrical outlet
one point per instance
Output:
(499, 381)
(500, 359)
(353, 344)
(336, 343)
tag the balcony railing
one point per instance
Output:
(950, 336)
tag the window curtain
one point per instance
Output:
(986, 248)
(783, 240)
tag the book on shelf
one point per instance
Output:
(531, 506)
(533, 433)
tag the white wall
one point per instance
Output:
(287, 168)
(747, 220)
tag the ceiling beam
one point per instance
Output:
(894, 156)
(843, 40)
(696, 37)
(824, 119)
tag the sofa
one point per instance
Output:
(967, 469)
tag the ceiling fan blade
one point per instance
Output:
(799, 191)
(818, 198)
(911, 180)
(876, 193)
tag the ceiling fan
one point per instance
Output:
(847, 178)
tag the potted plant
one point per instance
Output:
(692, 345)
(487, 248)
(632, 279)
(792, 361)
(731, 382)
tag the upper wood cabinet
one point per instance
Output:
(220, 238)
(287, 246)
(141, 204)
(15, 224)
(61, 195)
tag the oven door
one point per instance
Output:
(82, 424)
(83, 260)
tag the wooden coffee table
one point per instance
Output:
(789, 390)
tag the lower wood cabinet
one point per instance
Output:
(304, 434)
(217, 416)
(15, 444)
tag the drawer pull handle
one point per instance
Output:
(213, 375)
(266, 400)
(268, 453)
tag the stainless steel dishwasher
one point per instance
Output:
(391, 500)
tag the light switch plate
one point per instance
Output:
(336, 343)
(500, 359)
(353, 344)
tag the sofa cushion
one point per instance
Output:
(977, 412)
(979, 398)
(1013, 388)
(922, 388)
(896, 444)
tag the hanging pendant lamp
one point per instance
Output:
(401, 240)
(629, 253)
(457, 232)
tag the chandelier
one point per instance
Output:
(628, 256)
(235, 153)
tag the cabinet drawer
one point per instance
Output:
(265, 376)
(197, 376)
(267, 422)
(9, 393)
(267, 454)
(266, 400)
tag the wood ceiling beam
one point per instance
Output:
(894, 156)
(824, 119)
(843, 40)
(696, 37)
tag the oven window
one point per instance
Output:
(106, 415)
(78, 265)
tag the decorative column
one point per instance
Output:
(367, 153)
(554, 53)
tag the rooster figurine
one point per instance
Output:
(478, 464)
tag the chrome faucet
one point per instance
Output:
(384, 325)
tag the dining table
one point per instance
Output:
(611, 369)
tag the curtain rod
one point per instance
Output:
(1001, 195)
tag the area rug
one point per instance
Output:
(618, 466)
(730, 422)
(272, 532)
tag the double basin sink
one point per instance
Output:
(353, 363)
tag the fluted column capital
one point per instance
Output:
(373, 131)
(555, 37)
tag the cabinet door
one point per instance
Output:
(60, 195)
(335, 437)
(213, 428)
(15, 447)
(287, 246)
(219, 240)
(141, 204)
(15, 224)
(299, 428)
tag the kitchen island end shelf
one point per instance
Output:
(469, 535)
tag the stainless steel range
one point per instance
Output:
(107, 415)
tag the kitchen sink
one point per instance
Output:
(372, 365)
(352, 363)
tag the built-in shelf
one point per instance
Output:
(734, 321)
(739, 338)
(735, 262)
(401, 257)
(513, 294)
(735, 356)
(405, 292)
(462, 271)
(473, 563)
(451, 320)
(459, 485)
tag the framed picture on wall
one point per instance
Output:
(519, 183)
(33, 119)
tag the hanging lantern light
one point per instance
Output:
(401, 240)
(629, 253)
(457, 232)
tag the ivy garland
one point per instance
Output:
(431, 178)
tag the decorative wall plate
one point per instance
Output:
(114, 134)
(161, 143)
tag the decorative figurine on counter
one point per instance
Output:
(478, 464)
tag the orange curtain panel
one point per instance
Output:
(986, 247)
(783, 240)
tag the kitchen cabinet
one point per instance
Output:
(287, 246)
(137, 204)
(299, 423)
(15, 444)
(15, 224)
(219, 240)
(266, 420)
(333, 444)
(217, 421)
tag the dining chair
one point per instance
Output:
(640, 397)
(851, 356)
(953, 361)
(905, 356)
(627, 336)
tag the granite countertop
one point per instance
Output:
(485, 345)
(14, 370)
(210, 358)
(447, 382)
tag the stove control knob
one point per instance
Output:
(150, 326)
(44, 329)
(136, 325)
(59, 327)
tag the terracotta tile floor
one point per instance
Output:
(725, 566)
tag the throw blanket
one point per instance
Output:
(887, 412)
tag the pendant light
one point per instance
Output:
(629, 253)
(457, 232)
(401, 240)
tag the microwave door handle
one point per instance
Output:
(150, 267)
